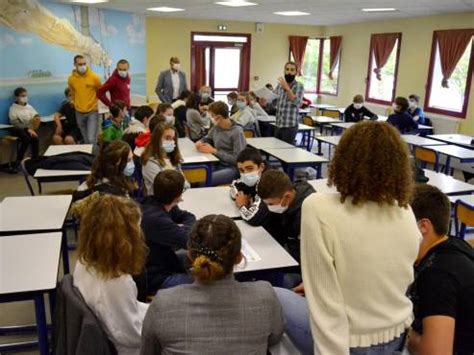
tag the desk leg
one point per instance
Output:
(320, 148)
(447, 166)
(318, 167)
(41, 323)
(65, 252)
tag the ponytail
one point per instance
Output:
(207, 271)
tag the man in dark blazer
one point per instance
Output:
(171, 83)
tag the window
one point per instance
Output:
(383, 67)
(451, 100)
(310, 66)
(328, 85)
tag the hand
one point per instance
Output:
(59, 130)
(299, 289)
(198, 144)
(206, 148)
(32, 133)
(241, 199)
(283, 83)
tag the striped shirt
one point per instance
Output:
(287, 110)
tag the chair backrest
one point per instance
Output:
(463, 217)
(197, 174)
(308, 121)
(332, 114)
(425, 155)
(249, 133)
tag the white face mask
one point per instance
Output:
(250, 179)
(23, 99)
(277, 208)
(176, 66)
(81, 69)
(122, 73)
(413, 104)
(205, 95)
(169, 119)
(358, 106)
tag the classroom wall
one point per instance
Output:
(414, 61)
(269, 50)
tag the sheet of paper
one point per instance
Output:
(249, 253)
(196, 159)
(266, 94)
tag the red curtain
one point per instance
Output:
(244, 79)
(452, 44)
(334, 53)
(298, 48)
(198, 68)
(382, 46)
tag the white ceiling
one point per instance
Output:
(323, 12)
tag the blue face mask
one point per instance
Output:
(241, 105)
(129, 168)
(168, 146)
(250, 179)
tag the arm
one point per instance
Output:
(256, 213)
(166, 231)
(160, 86)
(150, 344)
(329, 322)
(101, 93)
(238, 144)
(277, 321)
(97, 83)
(185, 218)
(15, 119)
(368, 113)
(437, 337)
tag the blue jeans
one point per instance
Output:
(223, 174)
(88, 125)
(176, 280)
(390, 348)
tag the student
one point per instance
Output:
(245, 116)
(400, 117)
(205, 98)
(166, 229)
(284, 201)
(142, 141)
(180, 109)
(225, 140)
(244, 190)
(414, 110)
(161, 154)
(83, 85)
(357, 111)
(118, 85)
(25, 121)
(232, 102)
(138, 125)
(255, 106)
(171, 83)
(187, 318)
(111, 172)
(358, 246)
(197, 123)
(112, 128)
(67, 131)
(112, 249)
(443, 291)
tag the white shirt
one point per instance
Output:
(114, 302)
(175, 81)
(21, 115)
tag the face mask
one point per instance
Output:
(205, 95)
(412, 104)
(176, 66)
(129, 168)
(395, 107)
(23, 99)
(241, 105)
(169, 119)
(250, 179)
(277, 208)
(81, 69)
(123, 73)
(289, 78)
(230, 103)
(168, 146)
(358, 106)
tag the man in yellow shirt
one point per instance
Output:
(83, 84)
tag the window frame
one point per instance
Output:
(429, 84)
(370, 69)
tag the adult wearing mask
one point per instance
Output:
(171, 83)
(118, 85)
(289, 93)
(83, 85)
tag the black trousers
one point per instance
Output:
(25, 141)
(287, 134)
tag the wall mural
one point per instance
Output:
(38, 41)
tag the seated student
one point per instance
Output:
(167, 111)
(225, 140)
(138, 125)
(67, 131)
(244, 190)
(112, 249)
(443, 290)
(269, 86)
(143, 139)
(197, 123)
(161, 154)
(284, 201)
(205, 96)
(245, 116)
(111, 172)
(180, 109)
(357, 111)
(400, 118)
(232, 102)
(166, 229)
(414, 110)
(255, 106)
(216, 314)
(112, 128)
(25, 121)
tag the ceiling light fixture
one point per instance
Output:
(165, 9)
(88, 1)
(236, 3)
(292, 13)
(382, 9)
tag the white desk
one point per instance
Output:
(68, 148)
(331, 140)
(448, 184)
(461, 140)
(191, 155)
(321, 106)
(264, 143)
(453, 151)
(209, 200)
(272, 255)
(68, 174)
(469, 199)
(324, 120)
(296, 158)
(420, 141)
(343, 125)
(301, 127)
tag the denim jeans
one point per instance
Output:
(391, 348)
(88, 125)
(176, 280)
(224, 175)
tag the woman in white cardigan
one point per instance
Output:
(358, 246)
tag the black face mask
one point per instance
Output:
(289, 78)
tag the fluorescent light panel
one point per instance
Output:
(292, 13)
(236, 3)
(165, 9)
(89, 1)
(382, 9)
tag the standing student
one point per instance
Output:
(25, 121)
(111, 250)
(289, 93)
(245, 116)
(357, 111)
(443, 291)
(186, 319)
(232, 102)
(414, 110)
(171, 83)
(112, 128)
(162, 153)
(197, 124)
(225, 140)
(166, 229)
(83, 85)
(67, 131)
(138, 125)
(400, 118)
(358, 246)
(118, 85)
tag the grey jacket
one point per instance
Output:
(164, 87)
(226, 317)
(228, 142)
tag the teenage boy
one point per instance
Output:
(232, 102)
(443, 290)
(357, 111)
(166, 229)
(67, 131)
(138, 125)
(112, 128)
(414, 110)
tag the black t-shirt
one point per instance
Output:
(444, 285)
(67, 110)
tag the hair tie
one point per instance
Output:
(210, 253)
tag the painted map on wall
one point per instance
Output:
(39, 39)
